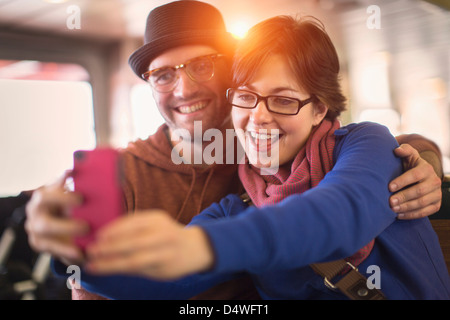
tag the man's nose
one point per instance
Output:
(185, 86)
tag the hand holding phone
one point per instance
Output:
(97, 177)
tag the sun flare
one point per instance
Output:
(239, 29)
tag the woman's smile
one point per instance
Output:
(263, 140)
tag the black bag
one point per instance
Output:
(24, 274)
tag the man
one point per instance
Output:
(186, 59)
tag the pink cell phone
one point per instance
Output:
(97, 177)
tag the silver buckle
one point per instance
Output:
(328, 283)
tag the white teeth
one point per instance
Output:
(192, 108)
(262, 136)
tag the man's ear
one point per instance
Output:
(320, 111)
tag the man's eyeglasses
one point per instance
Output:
(276, 104)
(199, 69)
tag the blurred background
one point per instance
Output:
(65, 83)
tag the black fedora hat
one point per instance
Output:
(178, 23)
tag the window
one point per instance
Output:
(399, 73)
(145, 114)
(46, 113)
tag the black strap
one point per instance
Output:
(353, 284)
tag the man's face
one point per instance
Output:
(191, 100)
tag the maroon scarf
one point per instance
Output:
(307, 169)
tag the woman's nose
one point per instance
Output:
(260, 114)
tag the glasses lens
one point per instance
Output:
(242, 99)
(201, 69)
(283, 105)
(163, 77)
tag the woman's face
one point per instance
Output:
(264, 133)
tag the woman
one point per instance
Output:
(286, 101)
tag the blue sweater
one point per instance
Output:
(276, 244)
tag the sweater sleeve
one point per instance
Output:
(427, 150)
(124, 287)
(332, 221)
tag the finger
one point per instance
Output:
(129, 225)
(416, 204)
(432, 204)
(50, 226)
(124, 227)
(52, 201)
(420, 213)
(60, 248)
(59, 199)
(118, 237)
(405, 150)
(412, 176)
(59, 183)
(429, 189)
(143, 241)
(114, 247)
(133, 263)
(44, 214)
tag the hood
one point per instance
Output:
(156, 150)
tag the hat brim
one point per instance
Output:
(141, 58)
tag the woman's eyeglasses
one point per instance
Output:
(276, 104)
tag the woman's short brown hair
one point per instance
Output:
(308, 49)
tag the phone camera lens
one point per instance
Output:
(79, 155)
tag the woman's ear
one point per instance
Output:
(320, 111)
